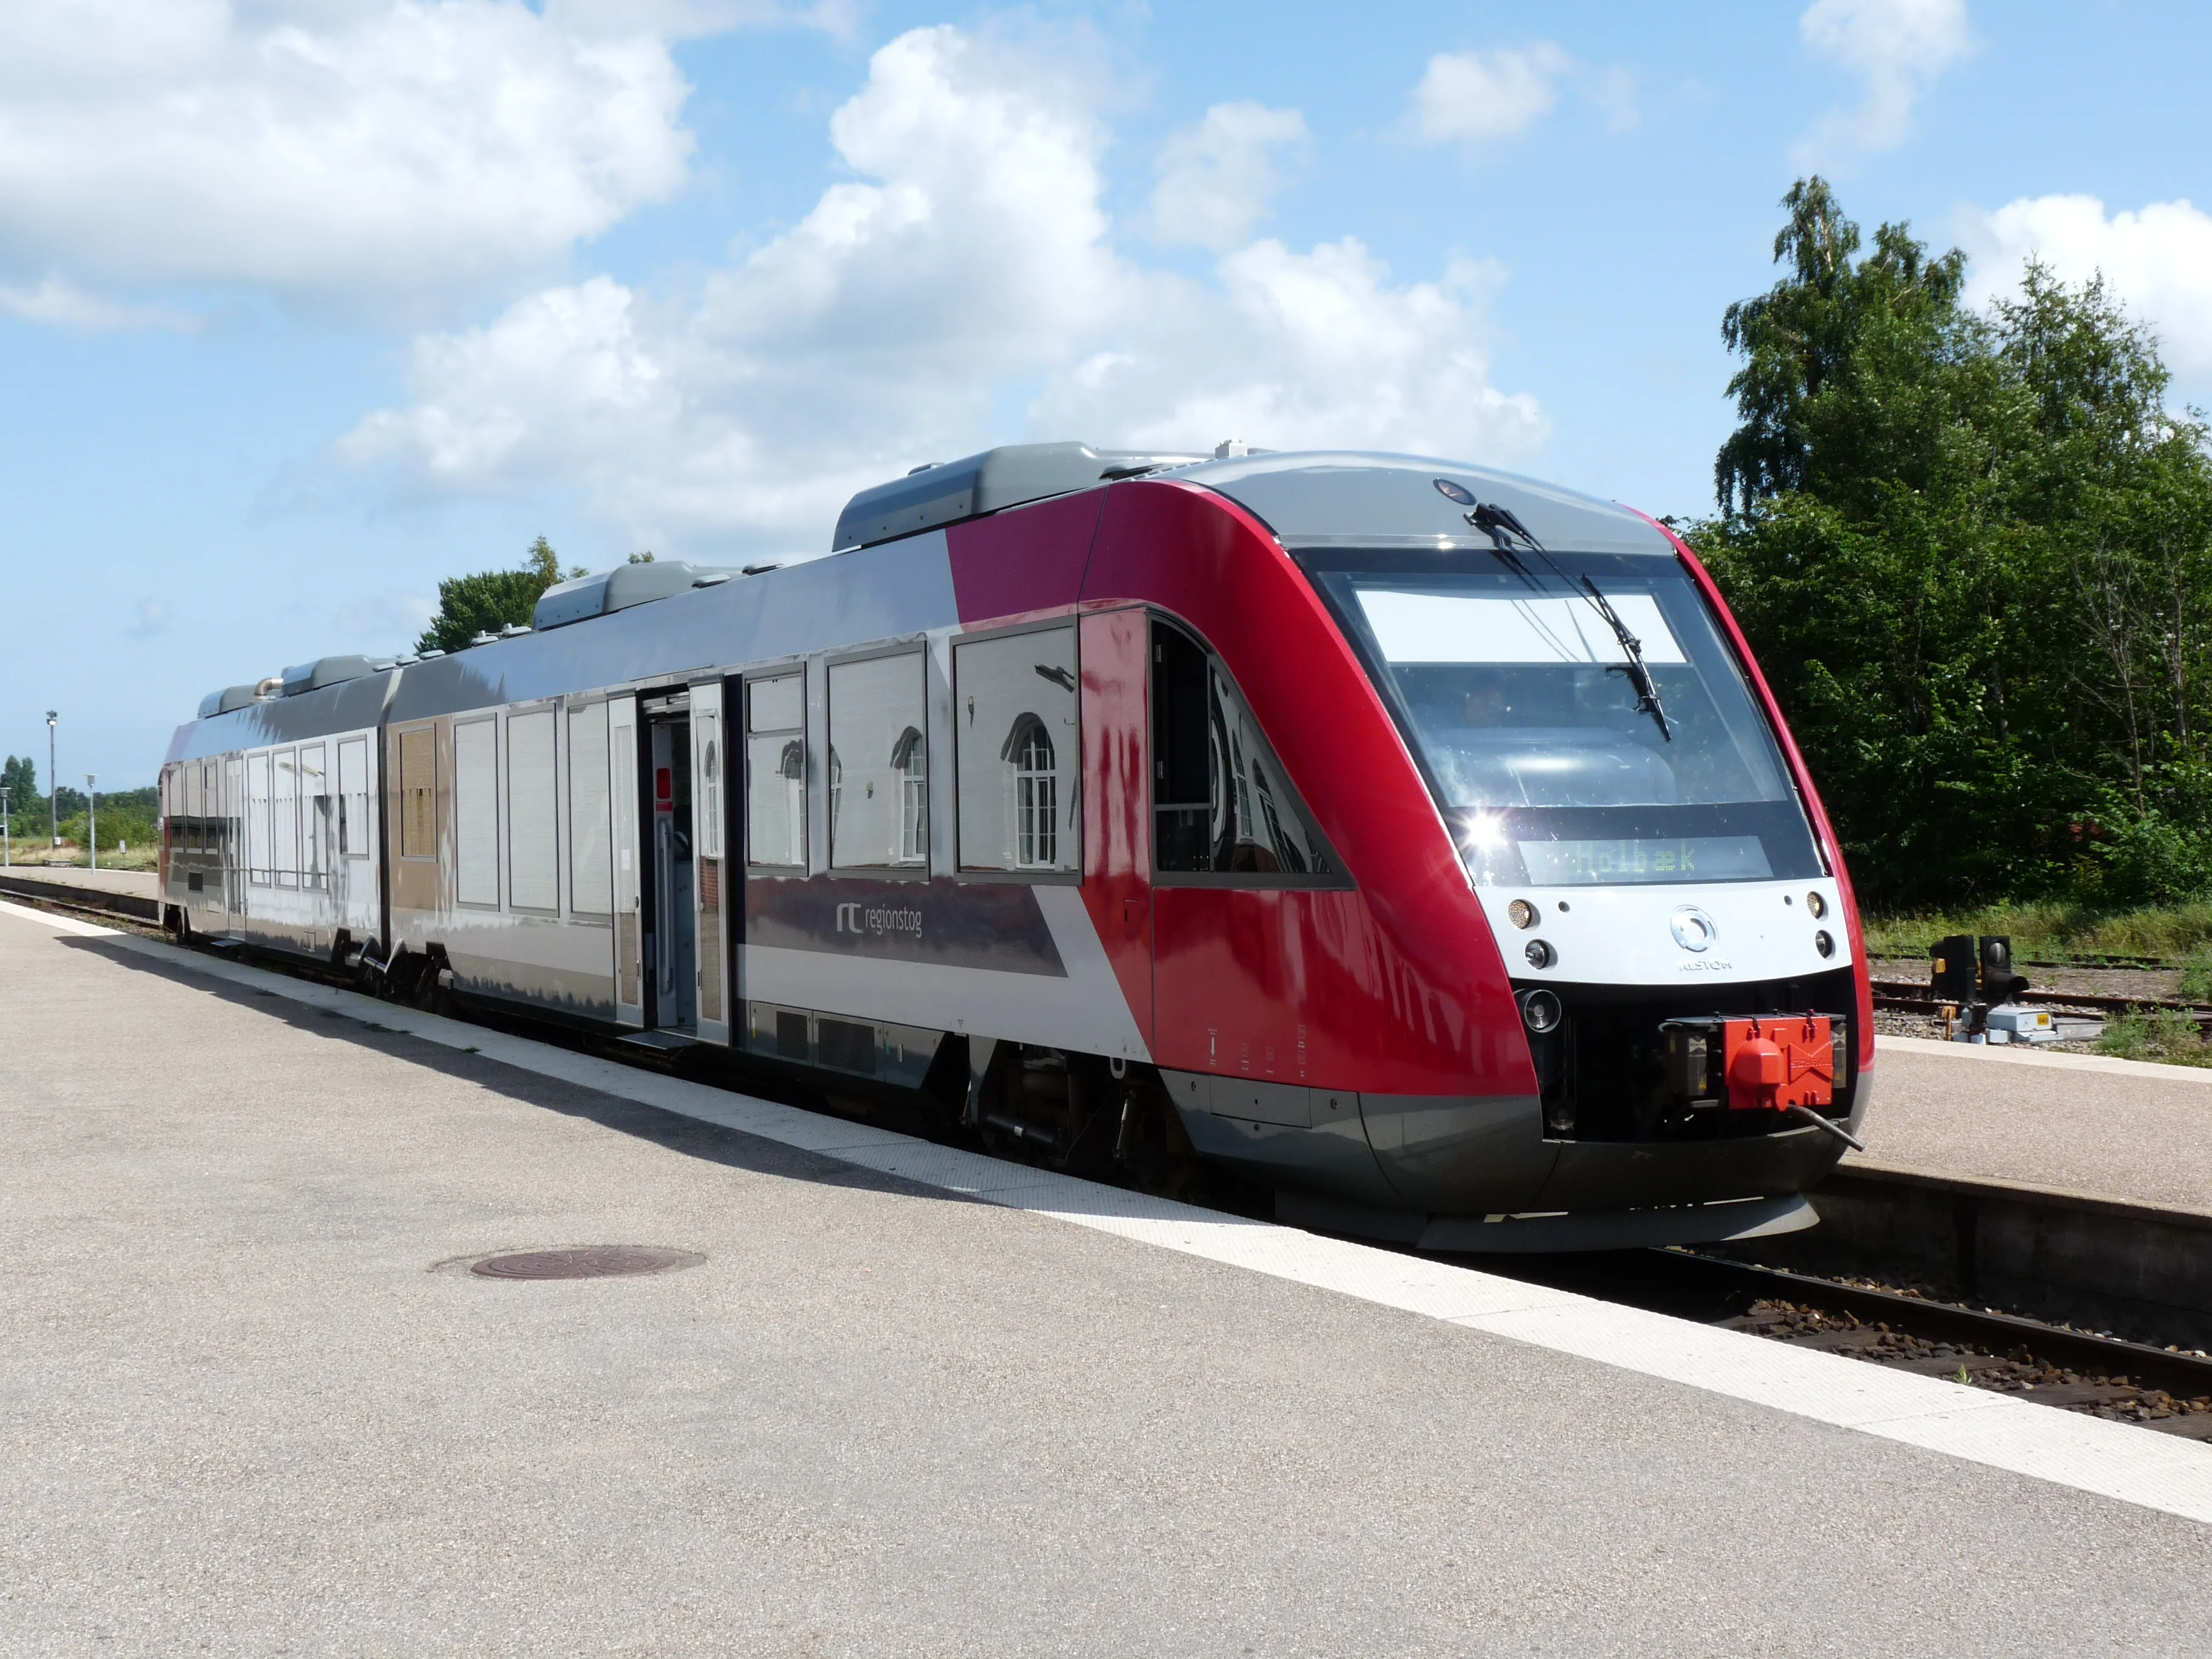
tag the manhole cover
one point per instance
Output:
(593, 1261)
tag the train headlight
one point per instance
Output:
(1818, 906)
(1540, 954)
(1823, 943)
(1522, 913)
(1541, 1009)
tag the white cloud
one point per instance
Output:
(1480, 100)
(1305, 350)
(690, 19)
(1219, 178)
(2158, 261)
(60, 302)
(1897, 49)
(1477, 99)
(151, 617)
(961, 289)
(377, 155)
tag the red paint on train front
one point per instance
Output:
(1396, 987)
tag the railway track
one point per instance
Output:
(2054, 1364)
(1912, 996)
(86, 901)
(1864, 1319)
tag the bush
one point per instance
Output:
(2162, 1033)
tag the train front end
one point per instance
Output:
(1647, 854)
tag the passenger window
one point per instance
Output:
(476, 812)
(284, 818)
(590, 860)
(353, 799)
(188, 808)
(533, 848)
(256, 818)
(775, 772)
(1222, 804)
(878, 764)
(315, 828)
(418, 793)
(1018, 749)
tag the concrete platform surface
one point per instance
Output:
(140, 884)
(2135, 1131)
(244, 1409)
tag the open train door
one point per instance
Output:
(710, 886)
(630, 919)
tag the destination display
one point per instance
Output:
(1671, 858)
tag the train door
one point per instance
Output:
(672, 950)
(225, 828)
(1117, 796)
(710, 864)
(630, 919)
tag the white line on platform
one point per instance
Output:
(2112, 1460)
(60, 924)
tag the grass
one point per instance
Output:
(2167, 1035)
(37, 853)
(2180, 933)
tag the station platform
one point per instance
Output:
(140, 884)
(913, 1401)
(2126, 1131)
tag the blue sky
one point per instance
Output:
(304, 304)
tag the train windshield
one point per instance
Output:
(1521, 701)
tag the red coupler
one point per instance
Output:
(1779, 1061)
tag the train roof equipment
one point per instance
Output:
(330, 671)
(582, 597)
(1307, 498)
(943, 492)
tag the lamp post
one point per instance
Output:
(92, 819)
(7, 839)
(53, 785)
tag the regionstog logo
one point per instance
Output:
(879, 919)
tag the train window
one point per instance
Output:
(1222, 806)
(418, 793)
(1017, 750)
(1522, 705)
(775, 772)
(229, 828)
(284, 818)
(353, 799)
(476, 812)
(316, 829)
(533, 851)
(878, 764)
(187, 807)
(256, 818)
(591, 859)
(707, 809)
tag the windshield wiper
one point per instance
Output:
(1639, 675)
(1499, 523)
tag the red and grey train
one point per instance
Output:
(1419, 840)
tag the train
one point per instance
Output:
(1415, 844)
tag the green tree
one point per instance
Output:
(20, 783)
(1972, 553)
(492, 599)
